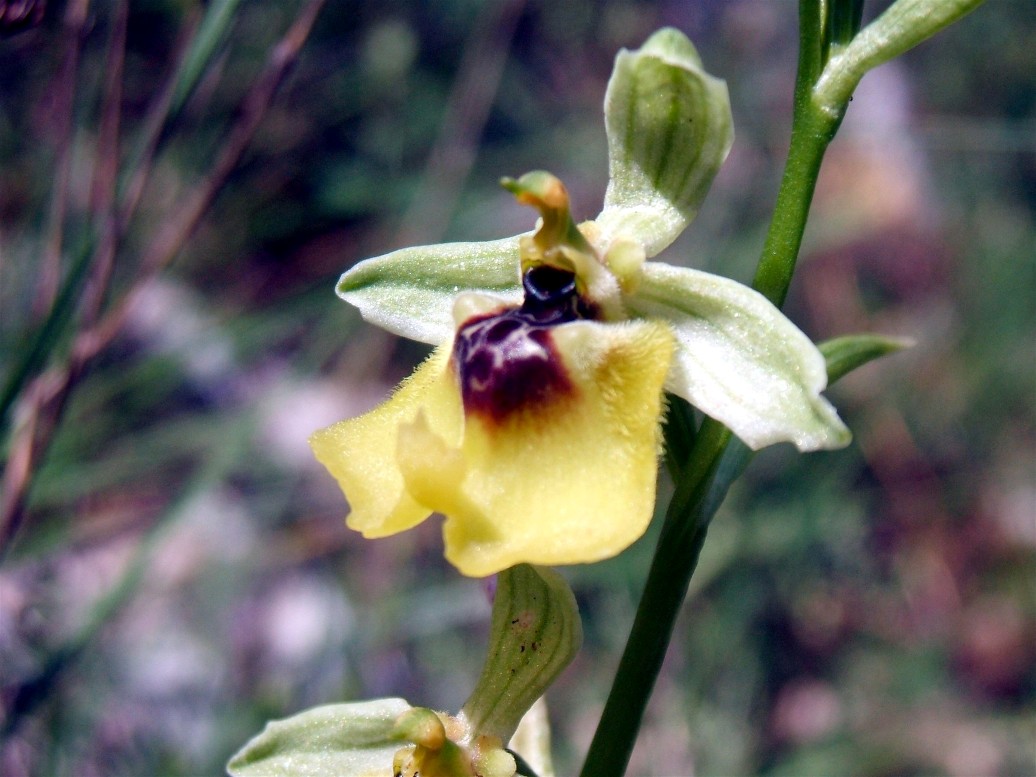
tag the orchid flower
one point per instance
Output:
(535, 425)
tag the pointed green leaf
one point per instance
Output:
(535, 633)
(211, 34)
(410, 292)
(346, 740)
(902, 26)
(845, 354)
(669, 129)
(739, 360)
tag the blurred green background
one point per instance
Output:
(182, 572)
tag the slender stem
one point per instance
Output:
(716, 458)
(810, 136)
(811, 131)
(106, 171)
(49, 272)
(714, 464)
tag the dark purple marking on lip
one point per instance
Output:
(507, 361)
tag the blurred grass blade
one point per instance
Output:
(844, 354)
(211, 32)
(48, 335)
(210, 35)
(27, 695)
(48, 273)
(202, 41)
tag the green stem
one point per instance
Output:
(810, 135)
(716, 461)
(716, 458)
(811, 131)
(833, 56)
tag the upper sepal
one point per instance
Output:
(669, 129)
(740, 360)
(410, 292)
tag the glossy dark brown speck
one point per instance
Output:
(507, 361)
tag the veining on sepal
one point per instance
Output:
(669, 129)
(410, 292)
(740, 360)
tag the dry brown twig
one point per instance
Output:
(46, 397)
(74, 23)
(471, 98)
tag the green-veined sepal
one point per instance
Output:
(669, 129)
(740, 360)
(410, 292)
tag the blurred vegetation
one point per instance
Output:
(181, 571)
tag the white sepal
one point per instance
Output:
(669, 129)
(740, 360)
(411, 292)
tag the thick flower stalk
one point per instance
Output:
(534, 426)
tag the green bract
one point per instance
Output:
(738, 359)
(902, 26)
(847, 353)
(535, 633)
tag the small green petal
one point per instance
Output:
(535, 634)
(669, 130)
(348, 740)
(845, 354)
(739, 360)
(410, 292)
